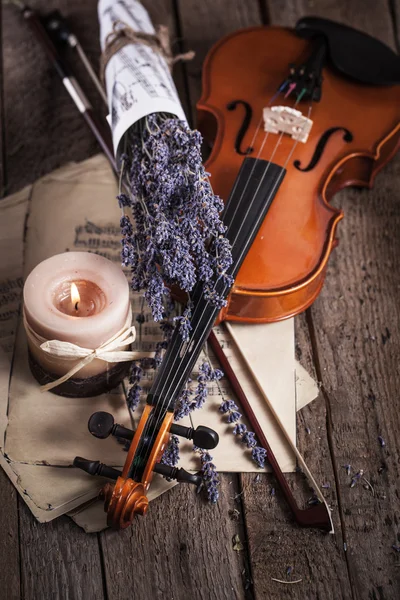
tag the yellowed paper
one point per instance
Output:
(74, 208)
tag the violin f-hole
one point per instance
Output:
(347, 137)
(244, 126)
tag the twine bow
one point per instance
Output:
(110, 351)
(122, 34)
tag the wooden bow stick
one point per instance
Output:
(318, 515)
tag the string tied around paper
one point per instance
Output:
(110, 351)
(122, 35)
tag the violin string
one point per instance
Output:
(165, 402)
(177, 378)
(255, 194)
(260, 121)
(173, 385)
(261, 149)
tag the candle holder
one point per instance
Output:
(78, 322)
(80, 387)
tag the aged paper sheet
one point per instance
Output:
(74, 209)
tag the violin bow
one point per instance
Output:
(318, 515)
(98, 128)
(315, 516)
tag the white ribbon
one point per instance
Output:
(110, 351)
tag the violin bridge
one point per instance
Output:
(283, 119)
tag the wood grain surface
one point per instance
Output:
(349, 341)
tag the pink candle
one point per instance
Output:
(83, 299)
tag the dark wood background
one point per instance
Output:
(349, 340)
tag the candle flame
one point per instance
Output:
(75, 297)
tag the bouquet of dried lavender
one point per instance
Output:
(177, 237)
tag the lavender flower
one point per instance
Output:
(137, 367)
(381, 441)
(133, 396)
(183, 404)
(171, 453)
(179, 236)
(210, 475)
(230, 407)
(186, 403)
(258, 453)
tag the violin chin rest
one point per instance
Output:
(123, 501)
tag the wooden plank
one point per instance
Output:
(367, 15)
(356, 323)
(42, 130)
(43, 127)
(395, 11)
(58, 560)
(276, 544)
(182, 549)
(9, 542)
(203, 23)
(316, 558)
(2, 124)
(357, 368)
(190, 539)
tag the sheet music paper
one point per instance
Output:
(138, 79)
(75, 208)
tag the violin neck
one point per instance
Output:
(253, 192)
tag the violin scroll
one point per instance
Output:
(127, 496)
(123, 501)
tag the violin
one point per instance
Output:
(293, 118)
(323, 101)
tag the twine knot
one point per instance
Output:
(110, 351)
(122, 35)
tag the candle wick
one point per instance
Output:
(76, 305)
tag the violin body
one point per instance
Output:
(355, 132)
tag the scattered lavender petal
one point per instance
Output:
(356, 478)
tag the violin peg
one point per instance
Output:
(206, 438)
(95, 467)
(178, 474)
(101, 425)
(202, 436)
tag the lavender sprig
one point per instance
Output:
(138, 366)
(209, 473)
(186, 403)
(258, 453)
(179, 236)
(171, 453)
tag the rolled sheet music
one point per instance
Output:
(137, 77)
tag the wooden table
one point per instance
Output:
(349, 340)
